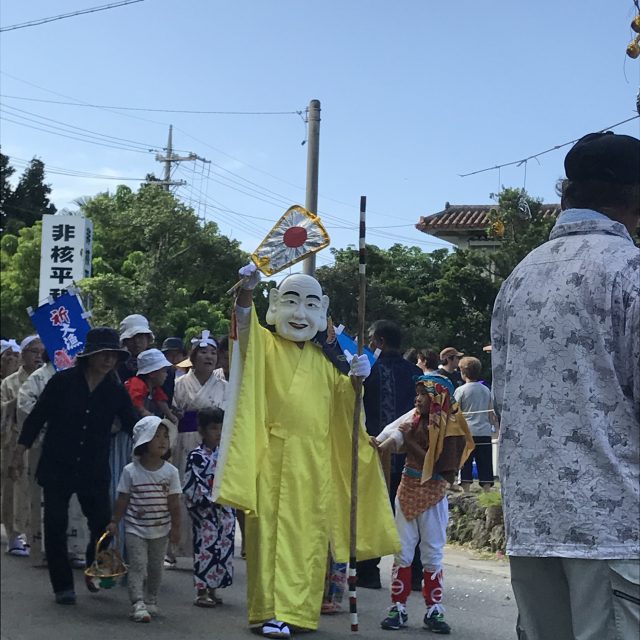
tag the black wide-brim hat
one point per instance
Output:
(103, 339)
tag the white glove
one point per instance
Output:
(360, 366)
(250, 276)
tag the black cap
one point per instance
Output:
(607, 157)
(171, 344)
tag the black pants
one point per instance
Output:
(483, 455)
(96, 508)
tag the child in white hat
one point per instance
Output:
(145, 388)
(149, 501)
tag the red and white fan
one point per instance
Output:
(298, 234)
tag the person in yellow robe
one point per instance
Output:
(285, 457)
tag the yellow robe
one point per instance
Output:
(285, 457)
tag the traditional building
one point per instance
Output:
(464, 225)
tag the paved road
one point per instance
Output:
(478, 597)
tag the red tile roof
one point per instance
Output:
(468, 217)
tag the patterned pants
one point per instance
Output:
(146, 564)
(213, 542)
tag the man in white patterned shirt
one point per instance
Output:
(566, 381)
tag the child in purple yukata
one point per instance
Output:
(213, 524)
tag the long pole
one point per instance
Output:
(362, 285)
(313, 158)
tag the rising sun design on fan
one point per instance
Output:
(298, 234)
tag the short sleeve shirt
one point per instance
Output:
(474, 399)
(147, 513)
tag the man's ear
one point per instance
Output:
(274, 296)
(324, 305)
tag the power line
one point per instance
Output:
(537, 155)
(279, 179)
(79, 102)
(70, 137)
(156, 110)
(328, 220)
(324, 214)
(75, 173)
(339, 222)
(74, 129)
(33, 23)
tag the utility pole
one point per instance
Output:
(171, 158)
(313, 153)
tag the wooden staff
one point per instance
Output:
(362, 280)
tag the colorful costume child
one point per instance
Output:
(438, 441)
(335, 583)
(213, 527)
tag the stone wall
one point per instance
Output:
(472, 524)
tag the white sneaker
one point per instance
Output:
(19, 547)
(152, 608)
(139, 612)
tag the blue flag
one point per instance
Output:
(350, 348)
(62, 326)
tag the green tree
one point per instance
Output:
(19, 275)
(397, 279)
(440, 298)
(26, 204)
(6, 171)
(524, 228)
(152, 256)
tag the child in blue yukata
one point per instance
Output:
(213, 524)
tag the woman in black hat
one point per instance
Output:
(78, 405)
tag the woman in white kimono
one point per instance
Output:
(204, 387)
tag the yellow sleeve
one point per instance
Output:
(244, 432)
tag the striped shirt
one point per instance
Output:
(147, 513)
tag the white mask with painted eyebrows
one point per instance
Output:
(297, 308)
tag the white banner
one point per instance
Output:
(65, 256)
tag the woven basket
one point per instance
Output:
(108, 562)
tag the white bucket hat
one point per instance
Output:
(151, 360)
(133, 325)
(145, 430)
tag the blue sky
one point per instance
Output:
(413, 94)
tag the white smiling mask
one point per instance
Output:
(297, 308)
